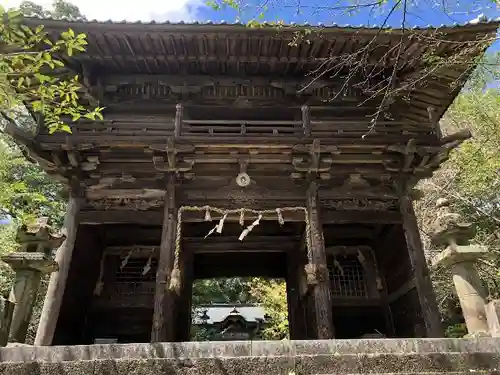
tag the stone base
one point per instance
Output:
(375, 356)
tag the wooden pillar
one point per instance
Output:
(318, 275)
(427, 298)
(57, 283)
(164, 301)
(183, 302)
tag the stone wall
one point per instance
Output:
(450, 356)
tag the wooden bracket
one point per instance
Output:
(355, 181)
(409, 151)
(171, 164)
(430, 157)
(243, 161)
(315, 163)
(91, 164)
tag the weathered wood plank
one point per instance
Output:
(57, 283)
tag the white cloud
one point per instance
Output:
(119, 10)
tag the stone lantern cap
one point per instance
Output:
(37, 241)
(459, 254)
(450, 228)
(39, 236)
(31, 261)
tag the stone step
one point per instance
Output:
(432, 356)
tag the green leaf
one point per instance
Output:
(65, 128)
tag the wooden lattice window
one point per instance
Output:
(136, 270)
(347, 276)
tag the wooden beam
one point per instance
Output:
(268, 244)
(185, 58)
(156, 217)
(316, 247)
(94, 194)
(200, 245)
(430, 310)
(57, 283)
(164, 301)
(85, 141)
(201, 190)
(208, 81)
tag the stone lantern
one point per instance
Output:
(29, 264)
(454, 234)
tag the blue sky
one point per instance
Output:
(328, 12)
(423, 13)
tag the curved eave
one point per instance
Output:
(133, 48)
(222, 27)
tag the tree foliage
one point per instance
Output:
(224, 290)
(60, 10)
(27, 58)
(31, 71)
(271, 295)
(26, 191)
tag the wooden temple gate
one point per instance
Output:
(211, 127)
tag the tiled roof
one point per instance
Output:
(217, 313)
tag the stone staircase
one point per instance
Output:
(370, 356)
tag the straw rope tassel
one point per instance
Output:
(175, 276)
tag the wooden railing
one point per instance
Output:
(240, 127)
(144, 128)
